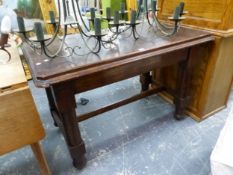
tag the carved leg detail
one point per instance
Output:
(73, 138)
(66, 105)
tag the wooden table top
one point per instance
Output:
(46, 71)
(12, 73)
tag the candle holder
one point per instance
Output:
(133, 27)
(167, 30)
(100, 41)
(24, 34)
(55, 24)
(133, 23)
(108, 15)
(117, 26)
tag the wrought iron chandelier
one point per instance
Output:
(73, 17)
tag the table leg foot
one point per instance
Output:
(179, 117)
(80, 162)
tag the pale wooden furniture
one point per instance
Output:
(20, 124)
(212, 78)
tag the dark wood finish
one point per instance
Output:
(65, 106)
(119, 104)
(65, 77)
(182, 86)
(52, 104)
(146, 80)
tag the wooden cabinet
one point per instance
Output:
(212, 77)
(212, 14)
(20, 124)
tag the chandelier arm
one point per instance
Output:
(80, 15)
(74, 10)
(57, 26)
(91, 50)
(8, 53)
(131, 32)
(165, 27)
(50, 55)
(29, 42)
(111, 29)
(126, 29)
(99, 46)
(135, 33)
(174, 31)
(115, 33)
(114, 36)
(148, 19)
(46, 51)
(104, 45)
(81, 31)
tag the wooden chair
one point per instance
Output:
(20, 124)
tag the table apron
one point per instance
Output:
(125, 71)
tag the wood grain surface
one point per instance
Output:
(12, 73)
(49, 71)
(213, 76)
(213, 14)
(19, 121)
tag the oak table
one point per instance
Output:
(63, 77)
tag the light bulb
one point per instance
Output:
(6, 25)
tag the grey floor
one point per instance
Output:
(137, 139)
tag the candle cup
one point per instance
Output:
(97, 26)
(153, 6)
(182, 4)
(133, 17)
(116, 17)
(39, 31)
(52, 17)
(177, 13)
(122, 7)
(92, 10)
(108, 13)
(21, 24)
